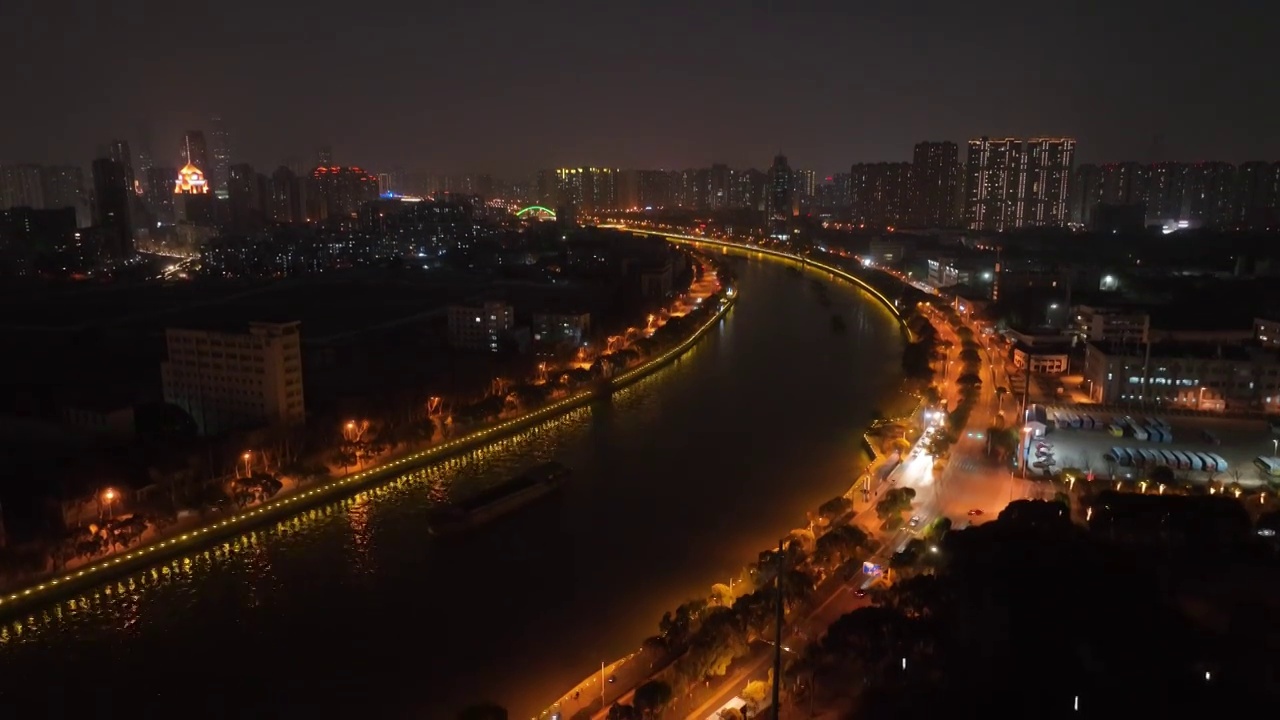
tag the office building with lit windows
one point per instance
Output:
(480, 328)
(1218, 377)
(228, 380)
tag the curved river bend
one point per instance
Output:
(355, 610)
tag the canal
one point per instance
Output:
(354, 609)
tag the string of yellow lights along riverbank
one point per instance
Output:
(842, 274)
(101, 570)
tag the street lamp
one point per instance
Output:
(248, 469)
(1275, 448)
(109, 495)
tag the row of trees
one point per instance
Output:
(704, 637)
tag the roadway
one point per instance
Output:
(966, 483)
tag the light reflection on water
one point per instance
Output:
(120, 604)
(676, 479)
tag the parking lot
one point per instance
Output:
(1240, 442)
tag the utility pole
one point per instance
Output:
(777, 645)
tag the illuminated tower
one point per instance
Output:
(192, 201)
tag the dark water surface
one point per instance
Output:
(354, 610)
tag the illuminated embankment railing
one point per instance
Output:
(105, 569)
(807, 262)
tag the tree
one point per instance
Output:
(756, 691)
(618, 711)
(652, 697)
(721, 594)
(756, 611)
(895, 502)
(344, 456)
(731, 714)
(969, 378)
(835, 508)
(797, 588)
(839, 543)
(721, 640)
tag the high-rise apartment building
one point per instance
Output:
(112, 206)
(219, 173)
(752, 190)
(1044, 179)
(121, 153)
(805, 185)
(45, 187)
(338, 192)
(1258, 195)
(935, 169)
(721, 179)
(1085, 195)
(1013, 183)
(21, 186)
(287, 204)
(780, 194)
(1166, 193)
(881, 193)
(1207, 194)
(248, 198)
(587, 189)
(1210, 194)
(63, 187)
(229, 380)
(159, 194)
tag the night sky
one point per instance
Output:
(508, 87)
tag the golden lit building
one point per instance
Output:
(192, 202)
(191, 181)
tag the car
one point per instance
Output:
(860, 593)
(915, 521)
(975, 512)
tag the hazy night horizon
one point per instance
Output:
(650, 361)
(512, 87)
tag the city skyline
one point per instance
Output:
(509, 116)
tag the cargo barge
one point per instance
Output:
(498, 500)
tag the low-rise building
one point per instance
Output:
(888, 250)
(1240, 377)
(561, 329)
(1111, 324)
(226, 380)
(480, 328)
(1266, 332)
(1041, 360)
(945, 272)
